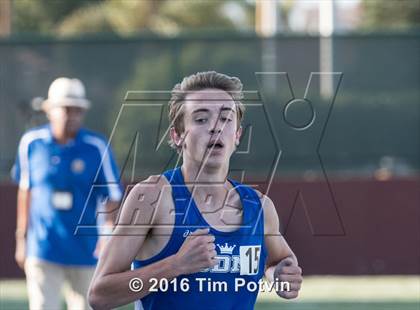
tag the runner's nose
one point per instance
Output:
(217, 128)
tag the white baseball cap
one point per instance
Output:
(66, 92)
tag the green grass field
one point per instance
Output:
(326, 293)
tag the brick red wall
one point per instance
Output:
(381, 227)
(381, 222)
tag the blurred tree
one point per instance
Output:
(127, 17)
(400, 14)
(176, 16)
(286, 7)
(31, 16)
(124, 17)
(116, 16)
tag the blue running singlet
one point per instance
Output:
(241, 255)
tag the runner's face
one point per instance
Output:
(66, 120)
(210, 127)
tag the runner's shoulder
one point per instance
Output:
(152, 190)
(271, 220)
(146, 201)
(266, 203)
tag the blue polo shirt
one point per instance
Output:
(62, 196)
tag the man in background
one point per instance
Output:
(56, 167)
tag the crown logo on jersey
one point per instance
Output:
(226, 249)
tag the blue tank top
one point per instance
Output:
(241, 254)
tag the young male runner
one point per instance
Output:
(195, 238)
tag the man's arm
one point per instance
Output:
(23, 204)
(281, 262)
(110, 284)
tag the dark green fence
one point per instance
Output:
(373, 122)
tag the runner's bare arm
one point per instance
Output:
(110, 284)
(277, 247)
(281, 262)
